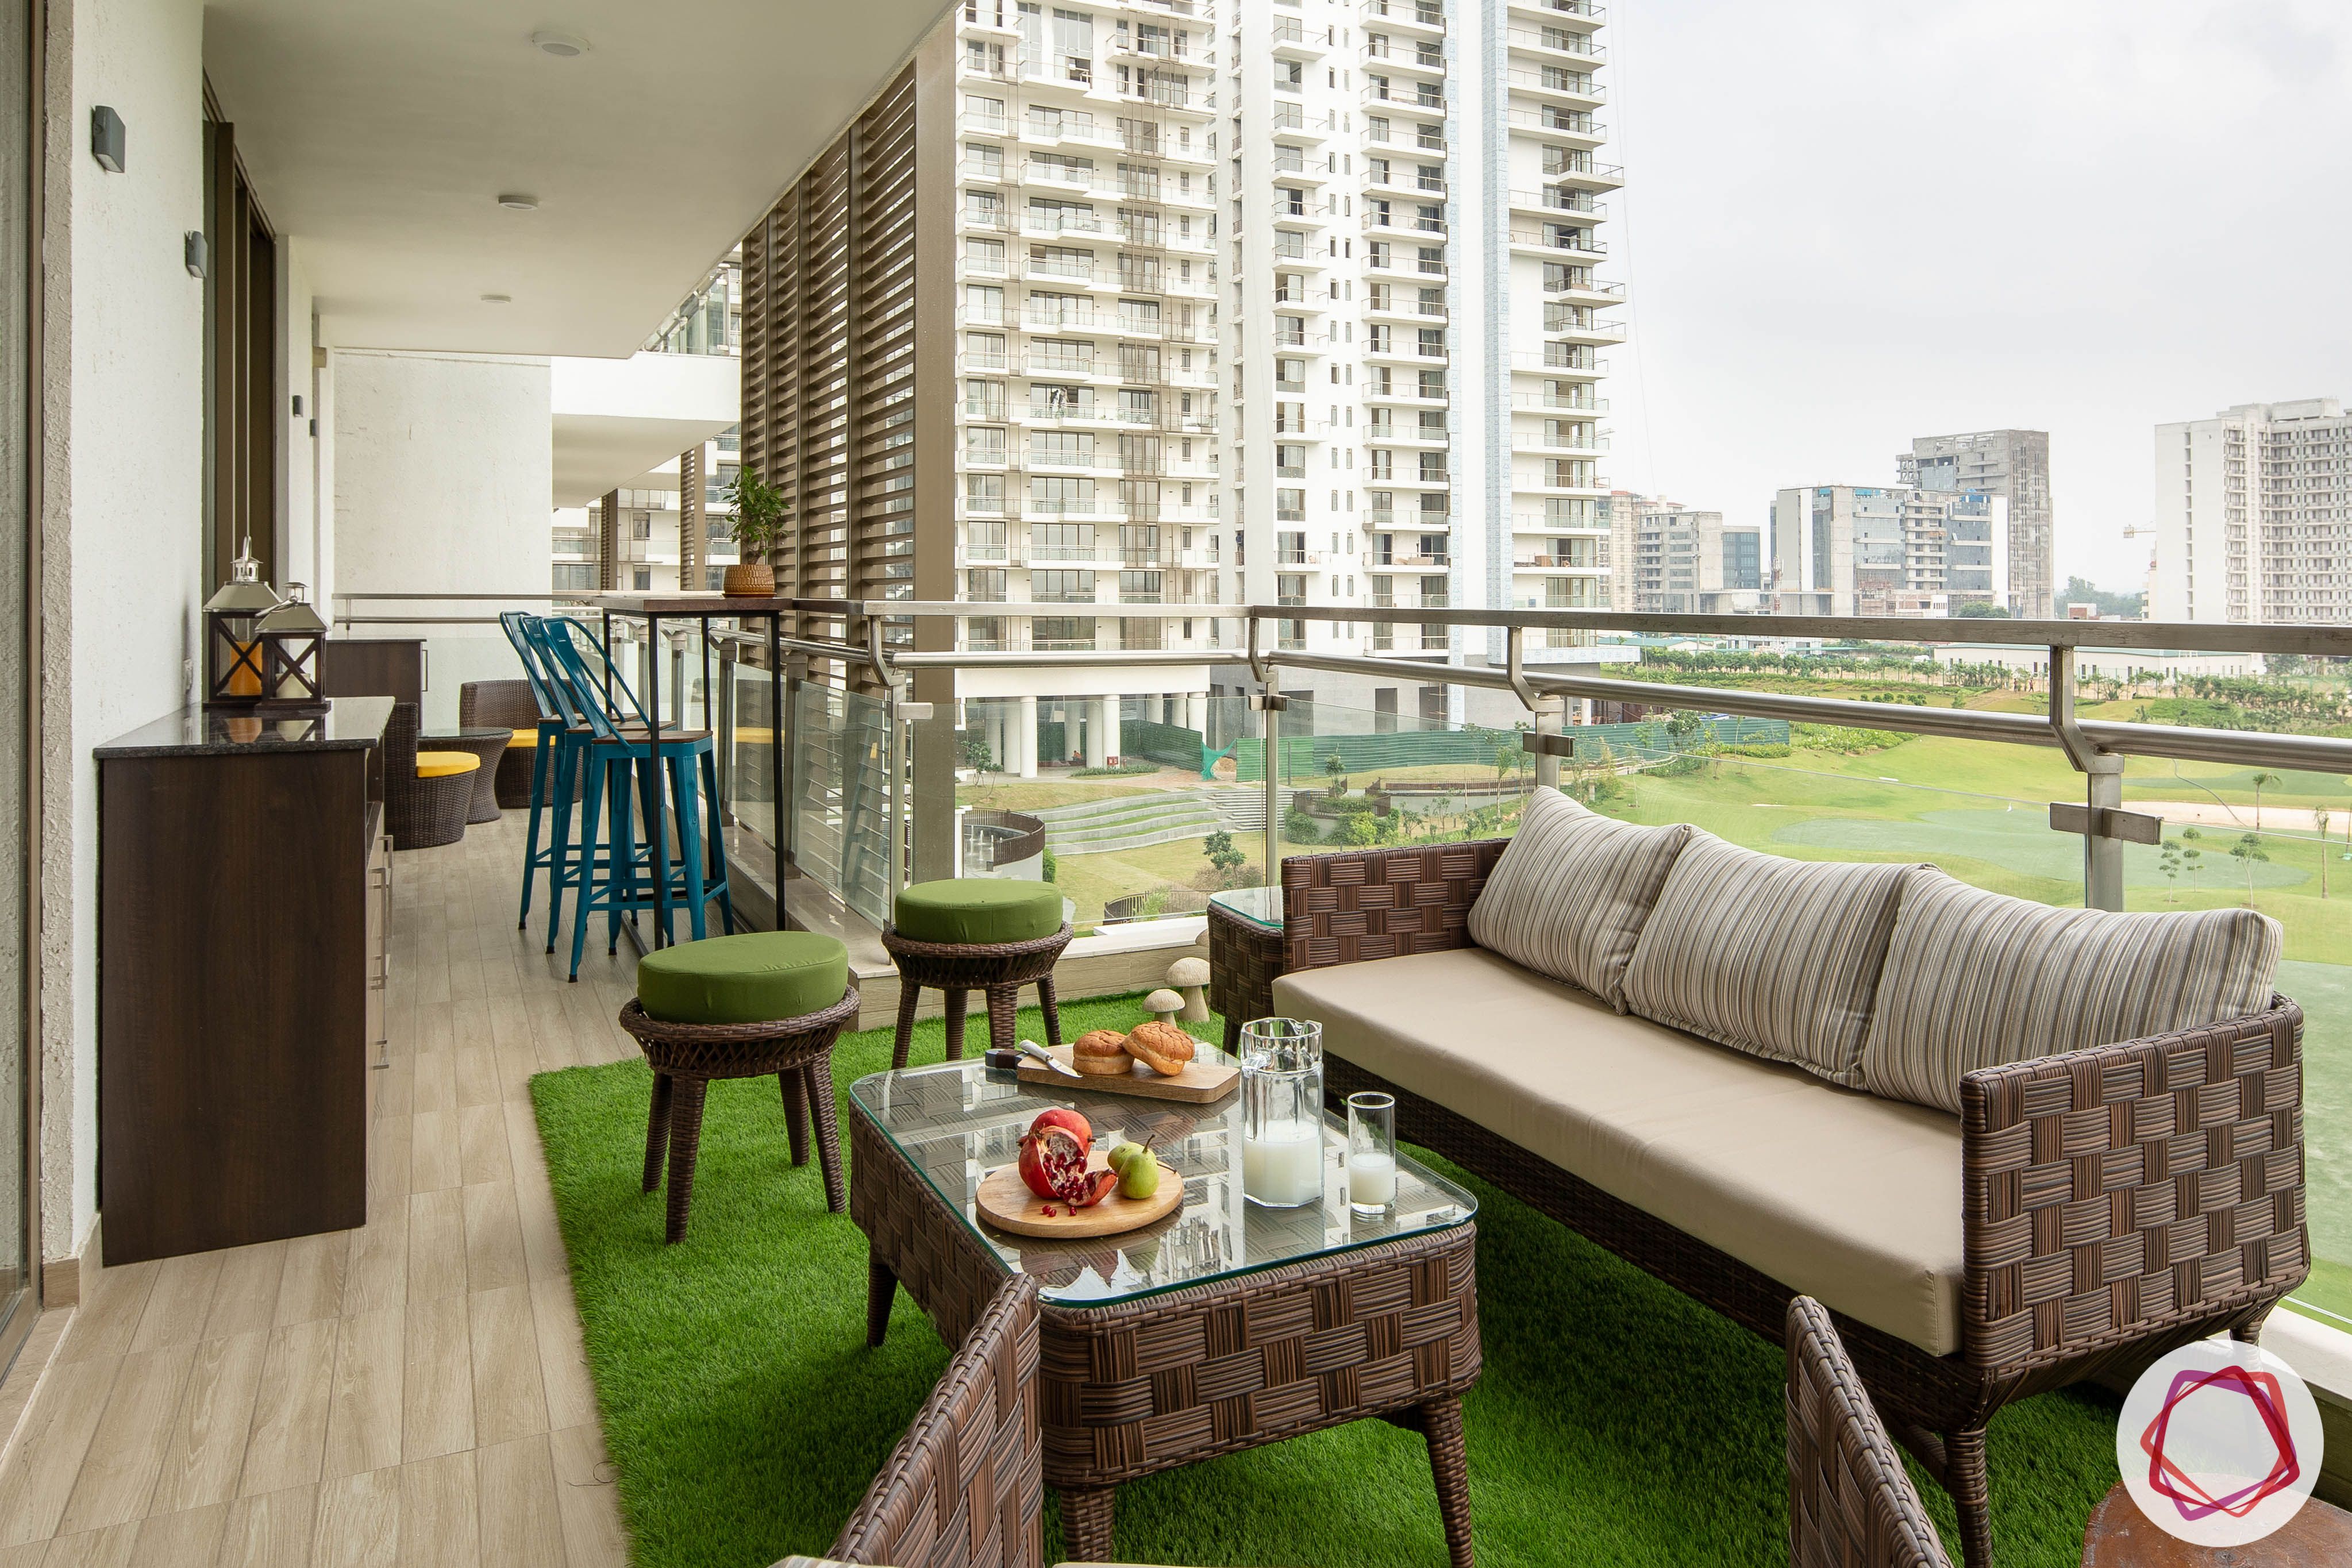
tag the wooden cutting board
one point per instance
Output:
(1005, 1201)
(1200, 1082)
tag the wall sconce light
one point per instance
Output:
(198, 254)
(106, 136)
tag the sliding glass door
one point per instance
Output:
(19, 96)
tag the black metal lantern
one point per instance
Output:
(235, 677)
(290, 637)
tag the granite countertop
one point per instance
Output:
(350, 724)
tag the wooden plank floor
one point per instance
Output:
(412, 1392)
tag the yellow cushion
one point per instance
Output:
(442, 764)
(523, 737)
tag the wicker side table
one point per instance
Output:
(1245, 956)
(686, 1058)
(490, 746)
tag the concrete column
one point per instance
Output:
(1024, 744)
(1109, 709)
(1196, 715)
(1093, 709)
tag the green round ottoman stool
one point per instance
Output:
(986, 934)
(739, 1006)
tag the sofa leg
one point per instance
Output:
(2250, 1331)
(1965, 1479)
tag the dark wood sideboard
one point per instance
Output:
(244, 892)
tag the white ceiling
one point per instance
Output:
(380, 133)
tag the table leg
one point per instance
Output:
(658, 805)
(1441, 1423)
(1087, 1521)
(881, 1290)
(779, 826)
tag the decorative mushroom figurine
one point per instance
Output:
(1164, 1005)
(1188, 975)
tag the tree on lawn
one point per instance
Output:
(2191, 856)
(2261, 781)
(1221, 855)
(2168, 862)
(1337, 767)
(2319, 822)
(2249, 849)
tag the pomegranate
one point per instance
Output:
(1099, 1185)
(1053, 1157)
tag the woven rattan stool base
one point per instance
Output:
(997, 969)
(686, 1057)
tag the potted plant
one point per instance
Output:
(761, 513)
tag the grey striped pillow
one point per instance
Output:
(1974, 978)
(1569, 894)
(1775, 958)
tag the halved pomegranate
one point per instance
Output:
(1054, 1165)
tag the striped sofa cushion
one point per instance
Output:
(1974, 978)
(1569, 894)
(1775, 957)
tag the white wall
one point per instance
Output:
(443, 471)
(123, 473)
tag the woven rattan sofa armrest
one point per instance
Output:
(1379, 904)
(2110, 1194)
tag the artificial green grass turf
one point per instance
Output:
(1616, 1421)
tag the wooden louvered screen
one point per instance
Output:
(831, 313)
(849, 391)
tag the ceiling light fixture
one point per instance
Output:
(497, 299)
(562, 46)
(516, 202)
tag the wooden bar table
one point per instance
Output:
(653, 609)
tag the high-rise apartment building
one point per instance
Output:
(1693, 563)
(1862, 550)
(1278, 302)
(2254, 515)
(2015, 466)
(1195, 303)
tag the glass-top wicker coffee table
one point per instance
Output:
(1223, 1326)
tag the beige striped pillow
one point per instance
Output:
(1775, 958)
(1569, 894)
(1974, 978)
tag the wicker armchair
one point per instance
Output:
(421, 813)
(964, 1487)
(1850, 1503)
(505, 705)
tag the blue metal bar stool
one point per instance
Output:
(573, 701)
(629, 879)
(547, 760)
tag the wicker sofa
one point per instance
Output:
(2082, 1211)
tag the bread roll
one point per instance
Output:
(1161, 1047)
(1101, 1051)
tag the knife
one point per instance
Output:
(1029, 1047)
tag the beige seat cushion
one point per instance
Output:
(1569, 894)
(1976, 978)
(1835, 1194)
(1775, 957)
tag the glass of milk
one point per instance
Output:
(1282, 1112)
(1371, 1154)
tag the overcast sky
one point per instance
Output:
(1852, 222)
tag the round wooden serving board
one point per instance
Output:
(1005, 1201)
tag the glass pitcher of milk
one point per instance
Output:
(1282, 1112)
